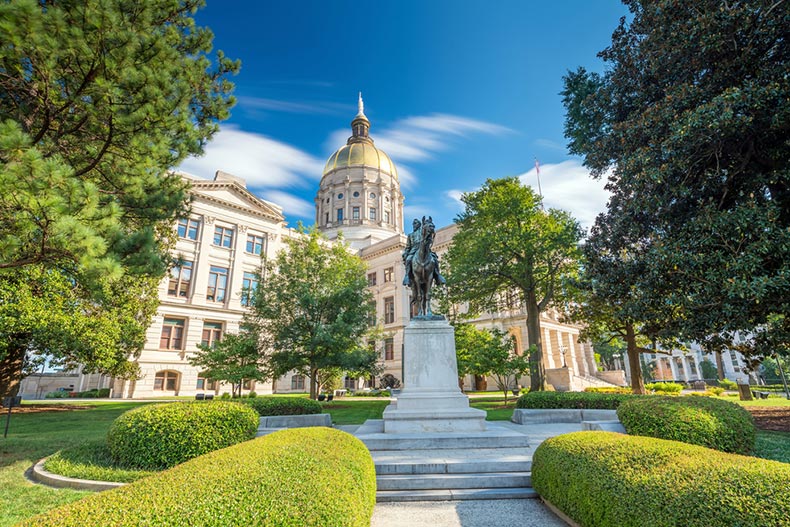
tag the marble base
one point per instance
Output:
(431, 400)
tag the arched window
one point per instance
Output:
(166, 380)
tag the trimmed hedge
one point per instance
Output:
(573, 400)
(713, 423)
(266, 406)
(603, 479)
(666, 387)
(163, 435)
(298, 477)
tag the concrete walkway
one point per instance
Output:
(476, 513)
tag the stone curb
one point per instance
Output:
(41, 475)
(561, 515)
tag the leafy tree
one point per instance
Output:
(708, 369)
(233, 359)
(507, 242)
(490, 352)
(46, 316)
(98, 99)
(690, 122)
(313, 308)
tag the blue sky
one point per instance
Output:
(456, 92)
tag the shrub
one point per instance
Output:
(163, 435)
(252, 394)
(715, 390)
(59, 394)
(665, 387)
(605, 479)
(704, 421)
(572, 400)
(617, 389)
(299, 477)
(728, 384)
(283, 406)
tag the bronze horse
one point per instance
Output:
(422, 267)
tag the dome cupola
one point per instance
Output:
(359, 192)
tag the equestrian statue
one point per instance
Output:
(422, 265)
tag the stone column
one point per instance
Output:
(547, 349)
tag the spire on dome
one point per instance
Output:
(360, 125)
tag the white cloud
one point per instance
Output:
(292, 205)
(262, 161)
(566, 185)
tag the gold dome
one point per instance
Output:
(358, 154)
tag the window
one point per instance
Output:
(372, 195)
(188, 228)
(248, 286)
(355, 213)
(386, 216)
(389, 349)
(371, 279)
(339, 214)
(372, 215)
(180, 278)
(254, 244)
(204, 383)
(166, 380)
(389, 310)
(212, 332)
(356, 194)
(297, 382)
(248, 385)
(172, 334)
(326, 217)
(217, 284)
(223, 236)
(389, 274)
(350, 383)
(340, 196)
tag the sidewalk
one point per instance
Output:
(476, 513)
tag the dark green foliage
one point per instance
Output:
(234, 359)
(266, 406)
(306, 477)
(572, 400)
(603, 479)
(164, 435)
(704, 421)
(708, 369)
(689, 123)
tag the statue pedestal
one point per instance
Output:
(431, 400)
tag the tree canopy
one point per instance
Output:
(507, 243)
(313, 308)
(690, 123)
(99, 99)
(234, 359)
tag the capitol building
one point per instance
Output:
(230, 230)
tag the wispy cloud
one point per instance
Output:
(548, 144)
(302, 107)
(262, 161)
(418, 139)
(566, 185)
(292, 205)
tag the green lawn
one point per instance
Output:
(33, 436)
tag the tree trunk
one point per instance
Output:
(313, 383)
(637, 384)
(537, 370)
(719, 364)
(11, 372)
(481, 383)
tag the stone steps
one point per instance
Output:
(384, 496)
(480, 480)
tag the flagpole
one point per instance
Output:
(540, 192)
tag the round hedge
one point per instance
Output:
(163, 435)
(703, 421)
(266, 406)
(302, 477)
(604, 479)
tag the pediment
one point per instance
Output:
(235, 196)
